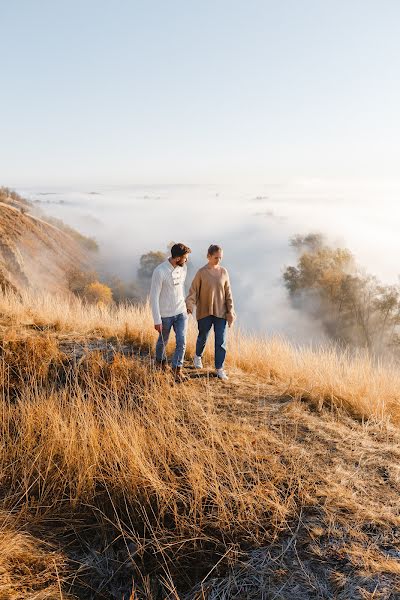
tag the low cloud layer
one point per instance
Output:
(252, 224)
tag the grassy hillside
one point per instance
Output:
(34, 252)
(117, 483)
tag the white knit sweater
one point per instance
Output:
(167, 297)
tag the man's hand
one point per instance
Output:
(158, 327)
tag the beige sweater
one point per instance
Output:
(211, 293)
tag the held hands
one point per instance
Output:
(158, 327)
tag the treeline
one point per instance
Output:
(86, 242)
(354, 307)
(7, 195)
(11, 197)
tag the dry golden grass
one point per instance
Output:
(322, 376)
(110, 474)
(28, 567)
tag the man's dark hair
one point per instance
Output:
(213, 249)
(179, 250)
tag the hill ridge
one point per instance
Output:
(34, 253)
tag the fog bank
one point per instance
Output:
(252, 223)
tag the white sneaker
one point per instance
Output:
(197, 362)
(222, 375)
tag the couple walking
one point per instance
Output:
(210, 293)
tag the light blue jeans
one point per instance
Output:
(179, 324)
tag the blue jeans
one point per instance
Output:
(179, 324)
(220, 333)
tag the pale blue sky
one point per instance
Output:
(198, 91)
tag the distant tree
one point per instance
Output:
(148, 262)
(311, 241)
(354, 307)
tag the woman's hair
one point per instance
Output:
(213, 249)
(179, 250)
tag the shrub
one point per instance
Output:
(78, 280)
(123, 291)
(98, 293)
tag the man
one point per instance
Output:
(168, 306)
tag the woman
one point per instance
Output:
(211, 293)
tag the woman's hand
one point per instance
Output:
(230, 318)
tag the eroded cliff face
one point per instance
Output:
(34, 253)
